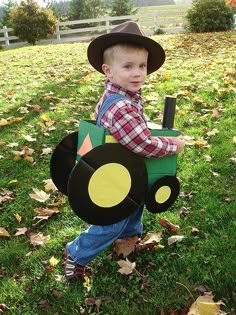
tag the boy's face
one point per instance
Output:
(127, 67)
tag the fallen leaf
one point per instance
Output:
(152, 237)
(29, 138)
(39, 195)
(175, 239)
(208, 158)
(3, 122)
(215, 113)
(189, 140)
(204, 305)
(125, 246)
(87, 283)
(18, 217)
(3, 232)
(127, 267)
(170, 227)
(4, 308)
(49, 185)
(38, 239)
(53, 261)
(21, 231)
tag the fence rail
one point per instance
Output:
(85, 30)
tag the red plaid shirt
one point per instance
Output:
(126, 122)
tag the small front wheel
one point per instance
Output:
(162, 194)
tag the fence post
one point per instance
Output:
(107, 26)
(58, 32)
(235, 21)
(6, 36)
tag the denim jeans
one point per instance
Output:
(96, 238)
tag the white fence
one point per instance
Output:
(170, 22)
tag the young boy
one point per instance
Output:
(126, 57)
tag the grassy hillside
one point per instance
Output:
(44, 92)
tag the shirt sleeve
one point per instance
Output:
(129, 129)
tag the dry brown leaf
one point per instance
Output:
(38, 239)
(204, 305)
(215, 113)
(152, 237)
(29, 138)
(175, 239)
(49, 185)
(3, 232)
(39, 195)
(126, 267)
(125, 246)
(170, 227)
(21, 231)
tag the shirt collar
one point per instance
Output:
(115, 88)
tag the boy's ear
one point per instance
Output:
(106, 70)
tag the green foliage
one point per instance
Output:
(32, 23)
(60, 8)
(85, 9)
(209, 16)
(122, 7)
(158, 30)
(5, 19)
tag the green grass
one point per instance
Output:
(200, 70)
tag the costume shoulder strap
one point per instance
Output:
(110, 100)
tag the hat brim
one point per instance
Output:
(156, 54)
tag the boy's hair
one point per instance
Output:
(108, 54)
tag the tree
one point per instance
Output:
(122, 7)
(5, 20)
(209, 16)
(85, 9)
(32, 23)
(60, 8)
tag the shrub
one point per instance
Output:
(209, 16)
(32, 23)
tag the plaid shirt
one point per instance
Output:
(126, 122)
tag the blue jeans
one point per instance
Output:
(96, 238)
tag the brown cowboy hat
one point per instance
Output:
(126, 32)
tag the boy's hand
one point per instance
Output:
(180, 142)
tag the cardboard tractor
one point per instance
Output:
(105, 182)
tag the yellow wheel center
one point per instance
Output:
(109, 185)
(163, 194)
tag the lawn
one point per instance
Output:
(44, 92)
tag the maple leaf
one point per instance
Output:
(38, 239)
(125, 246)
(3, 232)
(175, 239)
(169, 226)
(127, 267)
(53, 261)
(204, 305)
(39, 195)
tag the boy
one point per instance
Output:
(126, 57)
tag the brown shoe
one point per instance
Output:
(72, 270)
